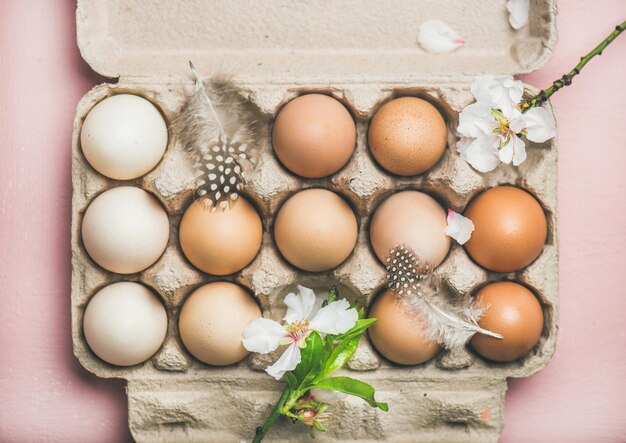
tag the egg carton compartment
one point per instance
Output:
(456, 396)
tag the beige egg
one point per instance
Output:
(412, 219)
(124, 136)
(407, 136)
(125, 323)
(314, 135)
(315, 230)
(212, 320)
(398, 333)
(125, 230)
(221, 242)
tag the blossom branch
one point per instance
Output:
(320, 341)
(566, 80)
(276, 412)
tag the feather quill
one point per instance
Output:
(217, 127)
(452, 325)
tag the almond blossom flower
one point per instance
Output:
(264, 335)
(438, 38)
(492, 127)
(459, 227)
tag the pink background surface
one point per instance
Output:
(45, 395)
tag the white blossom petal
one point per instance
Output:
(475, 120)
(506, 153)
(482, 153)
(519, 151)
(514, 151)
(287, 362)
(459, 227)
(335, 318)
(299, 306)
(463, 144)
(326, 395)
(517, 121)
(482, 87)
(514, 89)
(539, 124)
(263, 335)
(501, 92)
(518, 12)
(437, 37)
(320, 298)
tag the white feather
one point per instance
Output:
(217, 126)
(450, 324)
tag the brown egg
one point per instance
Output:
(412, 219)
(314, 135)
(407, 136)
(221, 242)
(315, 230)
(512, 311)
(510, 229)
(398, 333)
(212, 320)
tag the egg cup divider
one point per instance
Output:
(173, 397)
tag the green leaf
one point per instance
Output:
(311, 357)
(359, 327)
(341, 354)
(360, 311)
(332, 295)
(329, 344)
(291, 381)
(354, 387)
(310, 379)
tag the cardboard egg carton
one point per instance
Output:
(457, 396)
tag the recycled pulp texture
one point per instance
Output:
(456, 396)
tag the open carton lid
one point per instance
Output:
(303, 41)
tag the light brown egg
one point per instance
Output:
(407, 136)
(512, 311)
(412, 219)
(314, 135)
(315, 230)
(212, 320)
(221, 242)
(398, 333)
(510, 229)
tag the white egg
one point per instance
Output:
(125, 323)
(125, 230)
(124, 136)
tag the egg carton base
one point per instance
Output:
(228, 409)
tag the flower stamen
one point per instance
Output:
(298, 330)
(502, 127)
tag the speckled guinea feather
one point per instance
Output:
(452, 325)
(217, 127)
